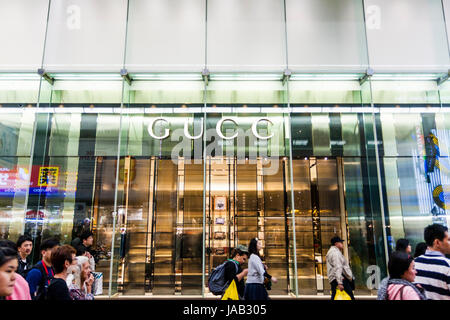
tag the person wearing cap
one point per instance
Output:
(233, 268)
(339, 273)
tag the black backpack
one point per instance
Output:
(41, 290)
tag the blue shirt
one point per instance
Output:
(34, 277)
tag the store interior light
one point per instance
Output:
(167, 76)
(246, 77)
(325, 77)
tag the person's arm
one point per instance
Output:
(241, 275)
(259, 266)
(33, 279)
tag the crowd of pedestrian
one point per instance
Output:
(62, 273)
(65, 272)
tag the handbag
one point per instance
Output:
(341, 295)
(231, 293)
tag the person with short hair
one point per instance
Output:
(433, 267)
(61, 258)
(24, 247)
(40, 275)
(8, 267)
(234, 271)
(421, 248)
(339, 273)
(399, 285)
(403, 245)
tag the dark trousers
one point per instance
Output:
(347, 288)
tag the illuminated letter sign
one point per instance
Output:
(219, 129)
(150, 129)
(255, 132)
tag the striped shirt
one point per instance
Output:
(433, 274)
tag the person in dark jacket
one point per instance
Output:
(40, 275)
(61, 258)
(234, 271)
(24, 246)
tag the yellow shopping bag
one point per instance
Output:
(231, 292)
(341, 295)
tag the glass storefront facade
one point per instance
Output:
(171, 166)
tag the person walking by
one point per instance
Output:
(403, 245)
(24, 246)
(80, 280)
(399, 285)
(421, 248)
(39, 276)
(8, 267)
(21, 289)
(433, 268)
(254, 287)
(234, 271)
(61, 259)
(339, 273)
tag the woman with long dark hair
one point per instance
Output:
(254, 287)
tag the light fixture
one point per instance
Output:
(167, 76)
(19, 76)
(86, 76)
(246, 77)
(406, 76)
(325, 77)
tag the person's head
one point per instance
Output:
(401, 266)
(254, 246)
(240, 254)
(337, 242)
(87, 238)
(62, 257)
(421, 247)
(403, 245)
(46, 249)
(24, 245)
(85, 268)
(436, 238)
(8, 243)
(8, 267)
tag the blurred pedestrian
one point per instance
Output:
(24, 247)
(21, 289)
(399, 285)
(421, 247)
(403, 245)
(61, 258)
(433, 268)
(8, 267)
(339, 273)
